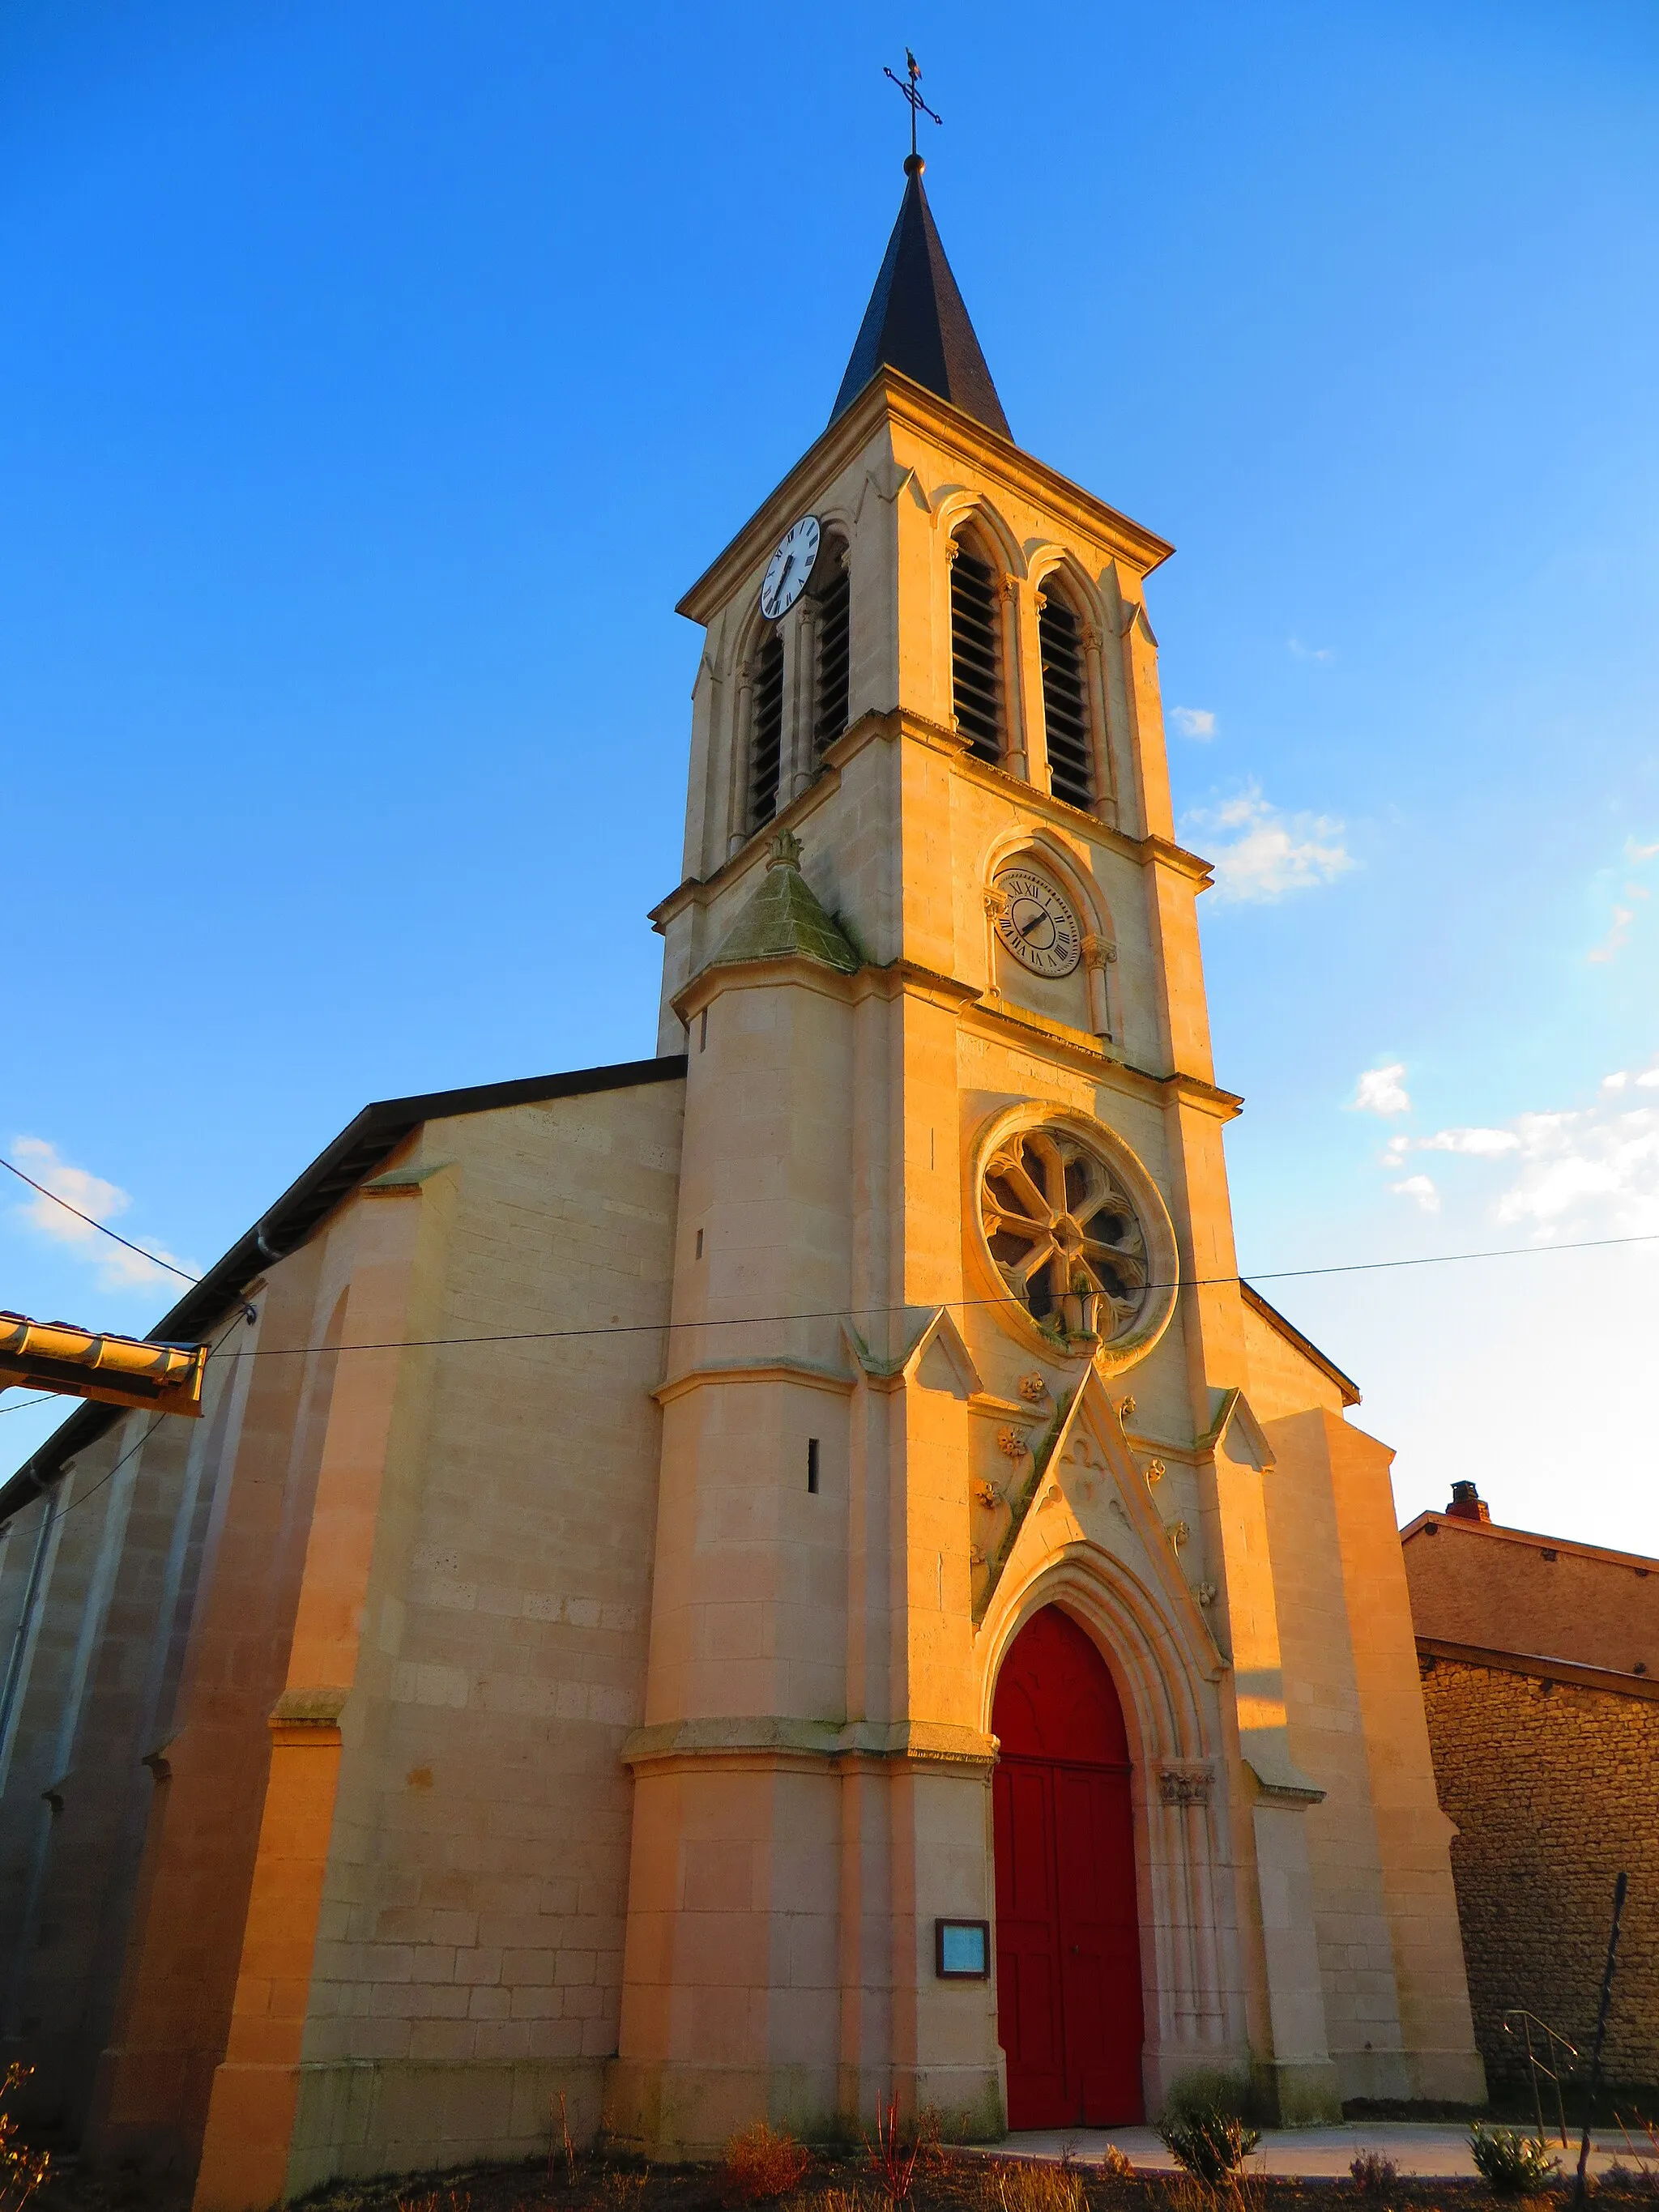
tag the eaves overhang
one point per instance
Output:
(332, 1176)
(891, 395)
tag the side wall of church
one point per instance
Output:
(153, 1645)
(467, 1965)
(1396, 2000)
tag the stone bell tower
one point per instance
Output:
(958, 1336)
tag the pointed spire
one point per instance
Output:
(916, 323)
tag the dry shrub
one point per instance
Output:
(1025, 2186)
(892, 2155)
(1116, 2165)
(829, 2200)
(761, 2165)
(1373, 2173)
(22, 2170)
(436, 2200)
(623, 2191)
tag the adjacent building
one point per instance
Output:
(1540, 1679)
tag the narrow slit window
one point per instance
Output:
(702, 1030)
(766, 741)
(835, 660)
(1065, 704)
(976, 655)
(700, 1243)
(812, 1465)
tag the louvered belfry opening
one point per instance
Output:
(1065, 704)
(835, 653)
(766, 741)
(975, 654)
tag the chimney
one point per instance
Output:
(1466, 1504)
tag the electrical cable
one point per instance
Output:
(852, 1313)
(24, 1404)
(103, 1232)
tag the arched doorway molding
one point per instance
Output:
(1191, 1990)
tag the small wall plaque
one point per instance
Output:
(961, 1950)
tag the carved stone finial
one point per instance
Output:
(786, 850)
(1033, 1389)
(1178, 1533)
(1206, 1593)
(1126, 1409)
(1012, 1443)
(1156, 1470)
(989, 1495)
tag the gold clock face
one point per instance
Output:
(1037, 924)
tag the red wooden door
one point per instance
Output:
(1068, 1945)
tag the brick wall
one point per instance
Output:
(1554, 1786)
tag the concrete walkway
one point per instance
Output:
(1436, 2149)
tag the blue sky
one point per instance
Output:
(373, 379)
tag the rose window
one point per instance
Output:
(1060, 1227)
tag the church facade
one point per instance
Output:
(785, 1574)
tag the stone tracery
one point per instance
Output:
(1060, 1225)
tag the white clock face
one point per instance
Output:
(787, 571)
(1037, 925)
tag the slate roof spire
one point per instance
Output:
(916, 322)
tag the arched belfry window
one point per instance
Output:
(1065, 703)
(834, 595)
(975, 652)
(766, 732)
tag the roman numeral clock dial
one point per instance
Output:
(787, 571)
(1037, 924)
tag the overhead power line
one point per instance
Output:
(102, 1228)
(855, 1313)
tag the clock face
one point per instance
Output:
(787, 571)
(1037, 924)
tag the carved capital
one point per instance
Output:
(1185, 1785)
(996, 903)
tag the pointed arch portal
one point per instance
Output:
(1068, 1947)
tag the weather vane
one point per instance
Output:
(917, 103)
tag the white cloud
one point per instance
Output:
(1310, 651)
(1618, 936)
(118, 1268)
(1583, 1172)
(1481, 1144)
(1420, 1188)
(1381, 1092)
(1272, 854)
(1195, 722)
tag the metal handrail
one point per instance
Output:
(1549, 2066)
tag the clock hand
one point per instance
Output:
(1026, 927)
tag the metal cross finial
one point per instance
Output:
(913, 74)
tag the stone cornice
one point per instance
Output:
(1612, 1680)
(900, 723)
(767, 1739)
(751, 1370)
(891, 397)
